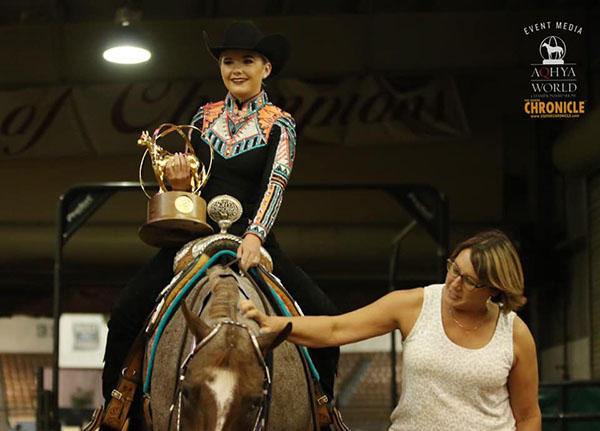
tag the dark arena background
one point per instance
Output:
(416, 128)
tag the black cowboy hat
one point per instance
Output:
(245, 35)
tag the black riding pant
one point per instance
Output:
(137, 300)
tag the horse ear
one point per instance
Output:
(268, 342)
(196, 324)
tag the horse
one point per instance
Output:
(558, 50)
(210, 370)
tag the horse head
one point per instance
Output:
(225, 382)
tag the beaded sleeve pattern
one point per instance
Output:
(278, 179)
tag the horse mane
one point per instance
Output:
(225, 296)
(224, 303)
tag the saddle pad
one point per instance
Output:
(166, 300)
(287, 307)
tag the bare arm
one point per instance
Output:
(394, 311)
(523, 380)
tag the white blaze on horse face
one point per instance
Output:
(222, 386)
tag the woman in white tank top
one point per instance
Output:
(469, 361)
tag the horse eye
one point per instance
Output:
(255, 403)
(187, 391)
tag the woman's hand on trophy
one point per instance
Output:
(249, 251)
(178, 172)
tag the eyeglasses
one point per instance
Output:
(467, 281)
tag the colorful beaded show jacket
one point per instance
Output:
(254, 148)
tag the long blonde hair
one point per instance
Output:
(497, 265)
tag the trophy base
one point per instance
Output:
(174, 218)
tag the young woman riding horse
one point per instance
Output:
(255, 144)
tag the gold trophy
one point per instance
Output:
(174, 217)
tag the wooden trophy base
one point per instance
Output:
(175, 218)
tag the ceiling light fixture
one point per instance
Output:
(126, 45)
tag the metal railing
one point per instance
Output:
(564, 403)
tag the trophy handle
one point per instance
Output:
(140, 175)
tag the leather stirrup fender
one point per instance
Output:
(117, 410)
(321, 402)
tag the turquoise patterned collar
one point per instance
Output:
(249, 107)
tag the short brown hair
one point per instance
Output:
(497, 265)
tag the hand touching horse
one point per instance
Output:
(213, 370)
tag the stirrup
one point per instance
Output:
(96, 420)
(330, 418)
(338, 422)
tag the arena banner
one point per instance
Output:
(105, 119)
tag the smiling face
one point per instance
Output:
(456, 290)
(243, 72)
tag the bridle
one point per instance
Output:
(263, 412)
(262, 415)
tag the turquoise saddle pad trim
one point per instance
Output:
(286, 313)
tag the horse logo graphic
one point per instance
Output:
(553, 50)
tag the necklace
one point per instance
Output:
(466, 328)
